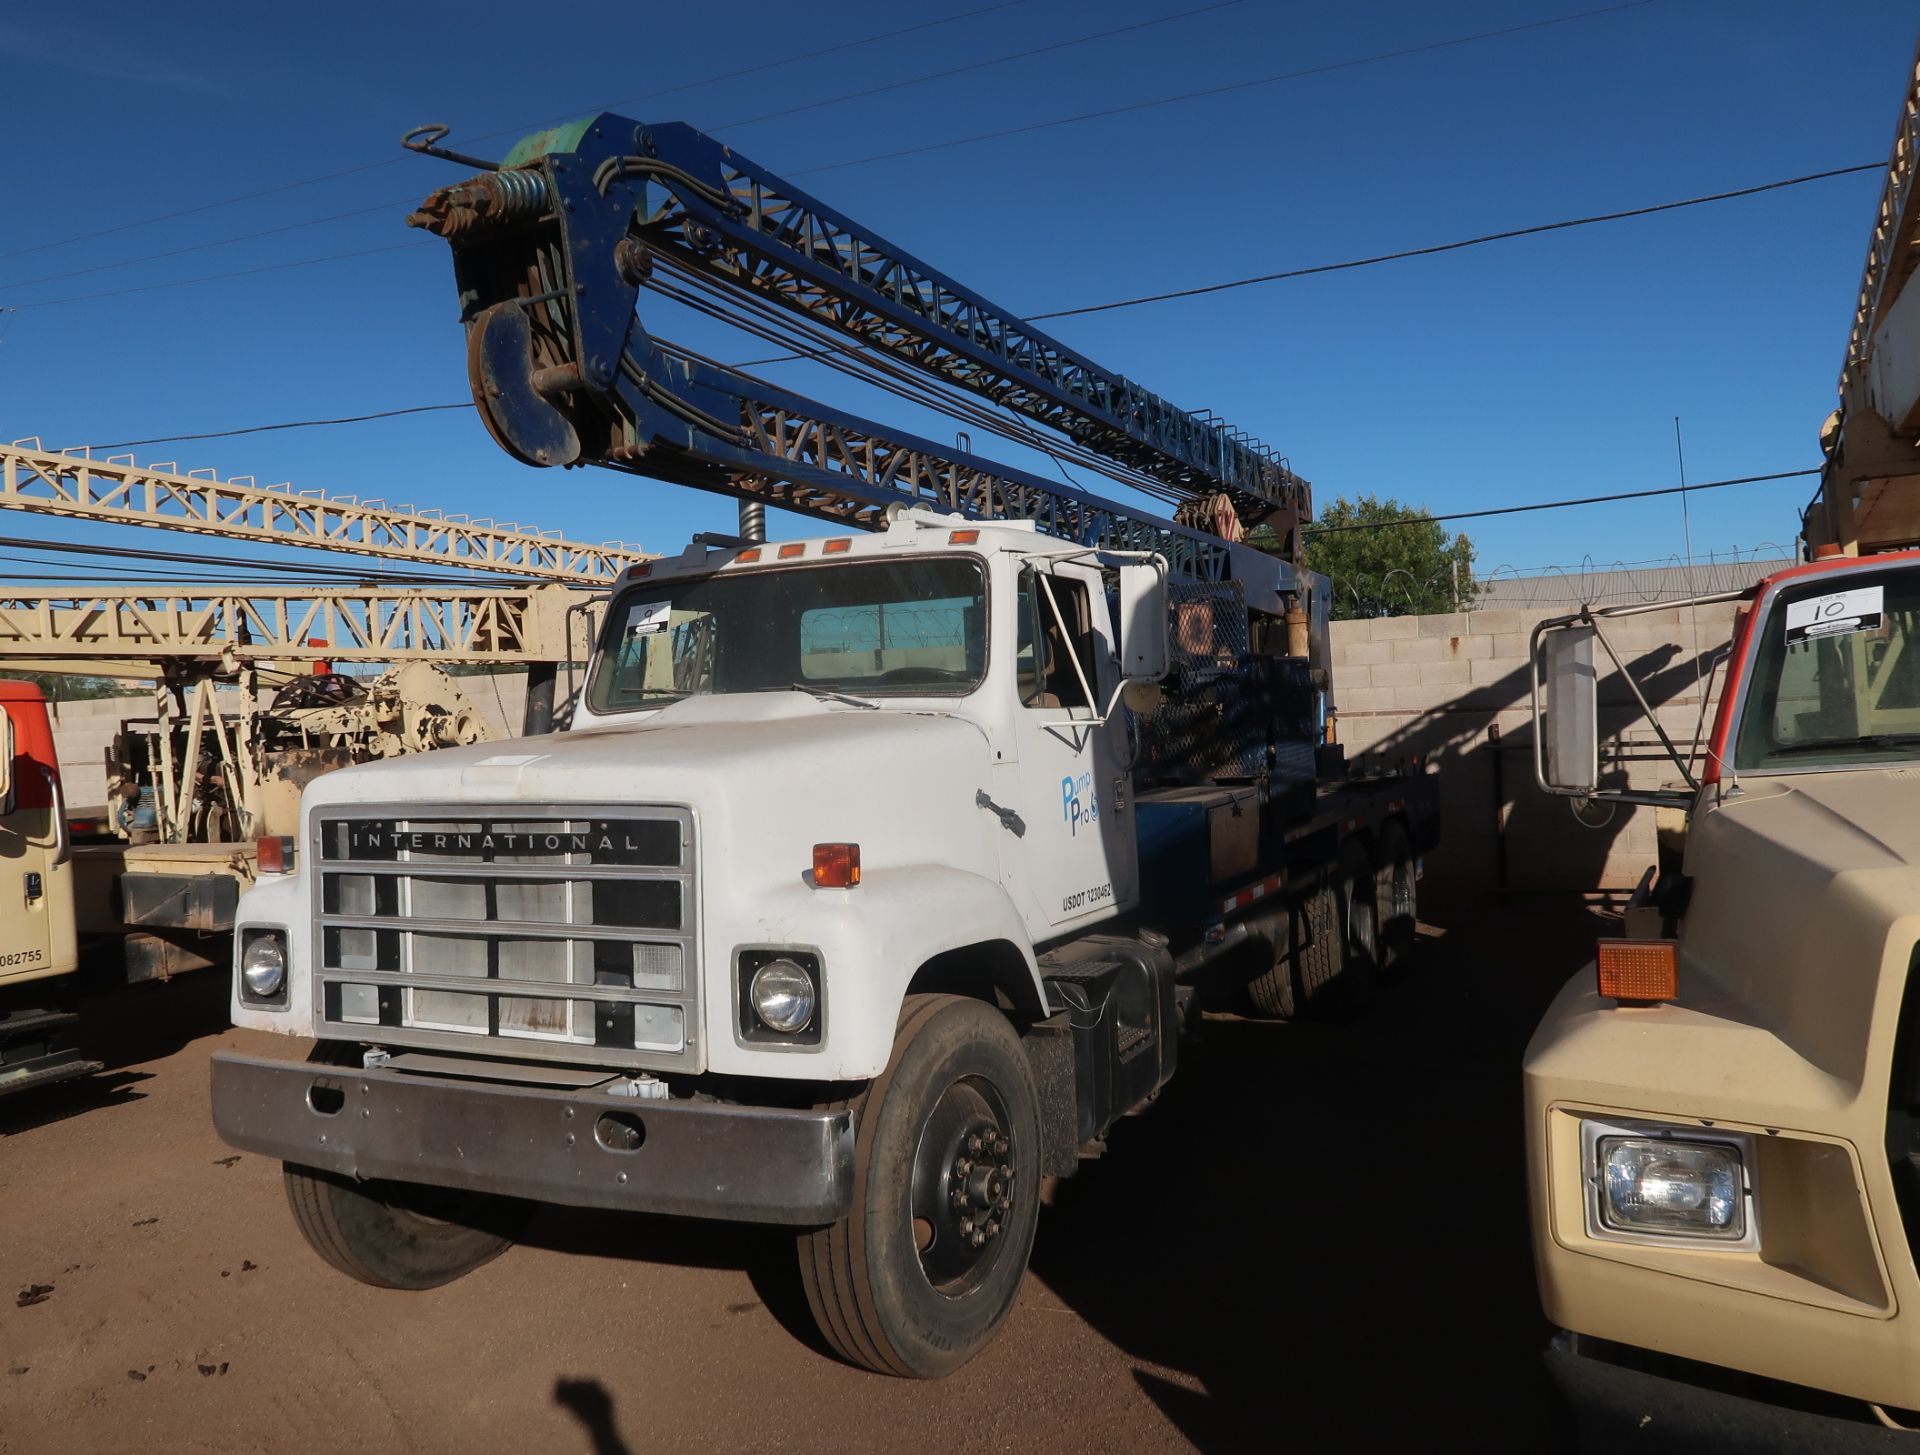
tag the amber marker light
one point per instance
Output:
(838, 546)
(752, 555)
(836, 866)
(1639, 971)
(788, 552)
(962, 537)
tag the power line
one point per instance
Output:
(1556, 504)
(1019, 55)
(749, 121)
(216, 243)
(809, 106)
(216, 277)
(1469, 242)
(488, 136)
(219, 434)
(1273, 80)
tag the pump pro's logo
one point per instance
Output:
(1079, 804)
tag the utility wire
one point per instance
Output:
(1273, 80)
(221, 434)
(1019, 55)
(1558, 504)
(514, 131)
(372, 575)
(728, 126)
(831, 101)
(216, 243)
(216, 277)
(1469, 242)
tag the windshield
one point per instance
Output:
(1836, 675)
(871, 628)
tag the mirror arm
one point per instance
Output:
(1640, 697)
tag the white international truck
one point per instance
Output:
(873, 876)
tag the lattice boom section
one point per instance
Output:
(78, 487)
(344, 624)
(820, 453)
(797, 252)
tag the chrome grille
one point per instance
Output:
(566, 933)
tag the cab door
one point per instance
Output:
(36, 886)
(1077, 848)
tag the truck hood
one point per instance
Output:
(1806, 908)
(771, 738)
(765, 775)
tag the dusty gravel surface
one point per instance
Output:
(1282, 1252)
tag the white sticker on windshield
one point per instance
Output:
(651, 617)
(1839, 614)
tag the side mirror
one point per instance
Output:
(1566, 726)
(1143, 621)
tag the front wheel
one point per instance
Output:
(397, 1234)
(925, 1267)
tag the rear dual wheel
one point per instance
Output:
(924, 1268)
(1333, 951)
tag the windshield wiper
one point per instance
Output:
(1869, 740)
(827, 692)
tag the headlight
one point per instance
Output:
(1661, 1185)
(263, 965)
(782, 995)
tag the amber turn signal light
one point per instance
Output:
(273, 855)
(836, 866)
(1639, 970)
(963, 537)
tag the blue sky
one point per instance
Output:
(1532, 369)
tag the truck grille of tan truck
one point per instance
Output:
(563, 934)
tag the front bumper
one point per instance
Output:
(693, 1159)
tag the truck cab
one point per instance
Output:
(37, 937)
(1721, 1131)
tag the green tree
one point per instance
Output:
(1389, 559)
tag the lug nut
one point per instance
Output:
(966, 1225)
(973, 1143)
(963, 1166)
(979, 1240)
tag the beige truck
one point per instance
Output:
(37, 939)
(1723, 1111)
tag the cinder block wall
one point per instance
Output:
(1454, 690)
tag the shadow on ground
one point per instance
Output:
(1324, 1225)
(122, 1026)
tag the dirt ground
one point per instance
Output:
(1318, 1234)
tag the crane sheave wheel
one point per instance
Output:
(922, 1271)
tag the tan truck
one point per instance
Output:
(37, 939)
(1723, 1112)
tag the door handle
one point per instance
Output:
(1009, 820)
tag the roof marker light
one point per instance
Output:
(962, 537)
(796, 548)
(752, 555)
(839, 546)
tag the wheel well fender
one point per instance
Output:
(991, 970)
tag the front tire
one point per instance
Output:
(925, 1267)
(397, 1234)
